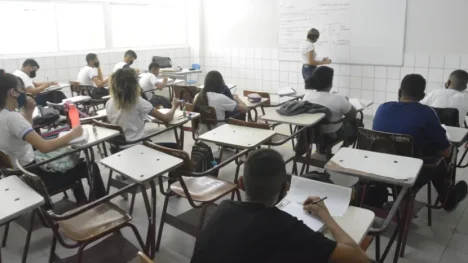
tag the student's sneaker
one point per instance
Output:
(457, 195)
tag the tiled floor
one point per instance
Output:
(446, 241)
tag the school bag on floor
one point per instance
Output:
(202, 158)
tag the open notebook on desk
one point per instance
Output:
(80, 140)
(298, 211)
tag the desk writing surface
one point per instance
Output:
(304, 119)
(17, 198)
(178, 119)
(456, 135)
(237, 136)
(102, 134)
(230, 86)
(252, 104)
(356, 222)
(375, 165)
(141, 163)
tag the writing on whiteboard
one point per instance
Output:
(330, 17)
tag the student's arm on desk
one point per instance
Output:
(100, 83)
(166, 118)
(39, 87)
(241, 107)
(46, 146)
(346, 251)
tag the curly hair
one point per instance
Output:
(124, 88)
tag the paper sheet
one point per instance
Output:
(286, 91)
(338, 197)
(356, 103)
(298, 211)
(82, 139)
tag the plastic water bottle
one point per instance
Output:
(184, 112)
(73, 115)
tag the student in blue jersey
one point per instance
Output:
(19, 138)
(408, 116)
(255, 230)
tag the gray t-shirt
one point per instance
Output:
(132, 120)
(13, 128)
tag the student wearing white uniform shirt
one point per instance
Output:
(318, 92)
(18, 139)
(212, 95)
(129, 57)
(91, 74)
(453, 96)
(309, 55)
(128, 109)
(149, 82)
(27, 73)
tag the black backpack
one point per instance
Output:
(202, 158)
(47, 116)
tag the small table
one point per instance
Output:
(230, 86)
(17, 198)
(458, 136)
(239, 137)
(142, 164)
(304, 119)
(180, 74)
(178, 121)
(386, 168)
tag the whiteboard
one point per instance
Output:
(351, 31)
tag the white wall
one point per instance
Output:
(241, 40)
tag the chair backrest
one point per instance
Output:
(119, 140)
(5, 161)
(186, 167)
(36, 183)
(257, 125)
(390, 143)
(186, 93)
(448, 116)
(265, 95)
(75, 88)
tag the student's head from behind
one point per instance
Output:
(412, 88)
(12, 93)
(321, 79)
(458, 80)
(265, 180)
(30, 66)
(92, 60)
(124, 88)
(214, 82)
(130, 56)
(154, 68)
(313, 35)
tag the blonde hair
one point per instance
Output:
(124, 88)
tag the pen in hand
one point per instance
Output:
(318, 201)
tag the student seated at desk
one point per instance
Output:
(128, 109)
(149, 82)
(318, 92)
(257, 231)
(91, 74)
(452, 96)
(213, 94)
(27, 73)
(408, 116)
(18, 139)
(129, 57)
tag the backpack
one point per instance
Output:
(46, 116)
(202, 158)
(98, 93)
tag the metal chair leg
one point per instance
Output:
(161, 224)
(80, 252)
(5, 234)
(28, 237)
(52, 249)
(137, 235)
(109, 182)
(406, 226)
(429, 201)
(132, 203)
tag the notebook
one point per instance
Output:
(80, 140)
(286, 91)
(297, 210)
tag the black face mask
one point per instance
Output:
(96, 64)
(32, 74)
(130, 63)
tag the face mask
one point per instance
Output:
(130, 63)
(32, 74)
(21, 100)
(96, 64)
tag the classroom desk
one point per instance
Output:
(304, 119)
(356, 222)
(17, 198)
(458, 136)
(141, 165)
(55, 88)
(178, 121)
(183, 74)
(277, 100)
(252, 106)
(169, 85)
(230, 86)
(239, 137)
(386, 168)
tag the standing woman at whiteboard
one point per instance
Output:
(309, 55)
